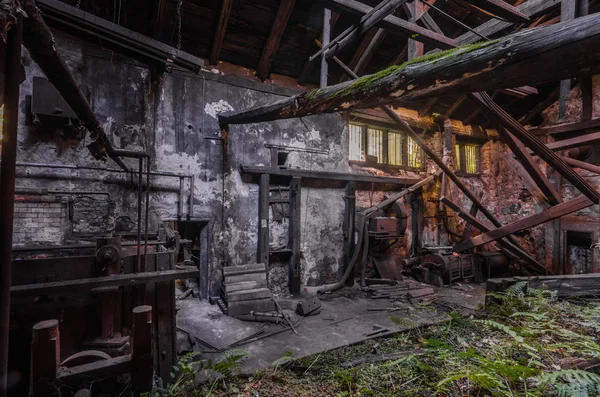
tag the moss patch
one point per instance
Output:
(365, 81)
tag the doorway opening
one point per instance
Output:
(579, 254)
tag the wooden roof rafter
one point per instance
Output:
(503, 64)
(220, 31)
(279, 24)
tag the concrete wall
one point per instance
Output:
(171, 117)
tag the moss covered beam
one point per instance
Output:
(531, 56)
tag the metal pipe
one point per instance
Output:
(180, 203)
(7, 185)
(138, 264)
(581, 164)
(80, 168)
(191, 198)
(43, 192)
(147, 213)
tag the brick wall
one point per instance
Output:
(39, 220)
(92, 216)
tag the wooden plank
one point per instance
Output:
(415, 48)
(244, 269)
(279, 23)
(574, 142)
(165, 326)
(567, 13)
(336, 176)
(245, 277)
(512, 250)
(455, 106)
(531, 9)
(427, 106)
(365, 51)
(540, 107)
(326, 35)
(244, 285)
(307, 65)
(220, 31)
(510, 62)
(258, 293)
(349, 222)
(567, 127)
(587, 97)
(295, 234)
(99, 282)
(393, 24)
(263, 220)
(500, 8)
(549, 214)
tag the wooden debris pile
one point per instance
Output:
(408, 292)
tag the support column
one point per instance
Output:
(326, 38)
(263, 221)
(12, 82)
(294, 243)
(45, 357)
(142, 363)
(349, 220)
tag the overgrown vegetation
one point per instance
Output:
(523, 346)
(372, 78)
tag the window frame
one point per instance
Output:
(460, 163)
(386, 130)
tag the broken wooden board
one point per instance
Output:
(572, 285)
(245, 307)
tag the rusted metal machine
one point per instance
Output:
(50, 374)
(97, 297)
(440, 269)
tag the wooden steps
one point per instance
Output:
(245, 290)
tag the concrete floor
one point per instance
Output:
(345, 319)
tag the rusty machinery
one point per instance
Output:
(440, 268)
(100, 303)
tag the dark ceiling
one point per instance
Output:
(250, 23)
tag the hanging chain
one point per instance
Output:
(179, 3)
(78, 5)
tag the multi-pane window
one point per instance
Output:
(468, 157)
(375, 145)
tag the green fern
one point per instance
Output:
(569, 382)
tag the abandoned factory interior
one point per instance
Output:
(299, 198)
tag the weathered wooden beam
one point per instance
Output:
(540, 107)
(500, 116)
(531, 9)
(574, 142)
(424, 17)
(326, 35)
(581, 164)
(308, 65)
(549, 214)
(279, 23)
(455, 106)
(365, 51)
(334, 176)
(525, 57)
(499, 8)
(522, 155)
(220, 31)
(415, 48)
(511, 249)
(579, 126)
(427, 106)
(393, 24)
(118, 280)
(587, 97)
(567, 13)
(354, 32)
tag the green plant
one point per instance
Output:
(185, 373)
